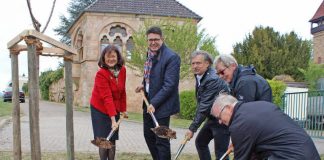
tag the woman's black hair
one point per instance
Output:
(108, 50)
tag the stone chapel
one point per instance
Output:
(113, 22)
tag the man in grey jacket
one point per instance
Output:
(208, 85)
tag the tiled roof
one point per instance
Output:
(319, 13)
(170, 8)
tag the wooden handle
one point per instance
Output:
(144, 98)
(147, 105)
(185, 140)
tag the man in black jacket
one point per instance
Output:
(208, 85)
(245, 84)
(261, 127)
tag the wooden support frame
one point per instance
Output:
(34, 48)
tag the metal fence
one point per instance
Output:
(307, 109)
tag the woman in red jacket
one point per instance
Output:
(108, 97)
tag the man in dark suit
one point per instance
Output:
(208, 86)
(160, 84)
(261, 128)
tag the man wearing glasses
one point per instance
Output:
(160, 84)
(245, 84)
(261, 129)
(208, 85)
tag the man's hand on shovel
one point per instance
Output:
(229, 150)
(189, 134)
(150, 108)
(183, 143)
(160, 131)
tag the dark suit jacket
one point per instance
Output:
(261, 127)
(164, 83)
(210, 86)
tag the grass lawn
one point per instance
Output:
(91, 156)
(94, 156)
(5, 108)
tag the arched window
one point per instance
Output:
(79, 45)
(103, 43)
(129, 47)
(117, 29)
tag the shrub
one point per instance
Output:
(278, 89)
(46, 79)
(187, 104)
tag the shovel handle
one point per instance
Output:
(185, 140)
(229, 150)
(111, 133)
(147, 104)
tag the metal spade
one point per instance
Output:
(183, 143)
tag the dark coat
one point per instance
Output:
(248, 86)
(164, 83)
(261, 127)
(206, 92)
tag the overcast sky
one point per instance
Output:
(228, 20)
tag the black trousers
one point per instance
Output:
(212, 130)
(159, 147)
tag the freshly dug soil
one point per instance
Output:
(164, 132)
(102, 143)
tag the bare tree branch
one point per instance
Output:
(49, 18)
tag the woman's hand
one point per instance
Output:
(124, 114)
(114, 125)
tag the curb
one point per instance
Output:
(3, 122)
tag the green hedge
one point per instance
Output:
(278, 89)
(187, 104)
(188, 99)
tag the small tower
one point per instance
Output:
(317, 30)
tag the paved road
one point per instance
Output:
(53, 133)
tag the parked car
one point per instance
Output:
(7, 95)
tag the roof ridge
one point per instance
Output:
(190, 9)
(90, 5)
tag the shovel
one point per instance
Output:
(229, 150)
(160, 131)
(104, 142)
(183, 143)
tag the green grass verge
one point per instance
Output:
(138, 117)
(5, 108)
(91, 156)
(6, 155)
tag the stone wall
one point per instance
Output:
(57, 91)
(318, 41)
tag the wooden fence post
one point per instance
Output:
(33, 88)
(15, 106)
(69, 106)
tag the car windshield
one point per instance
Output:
(9, 89)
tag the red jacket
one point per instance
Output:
(109, 94)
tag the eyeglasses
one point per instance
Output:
(220, 113)
(222, 71)
(154, 39)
